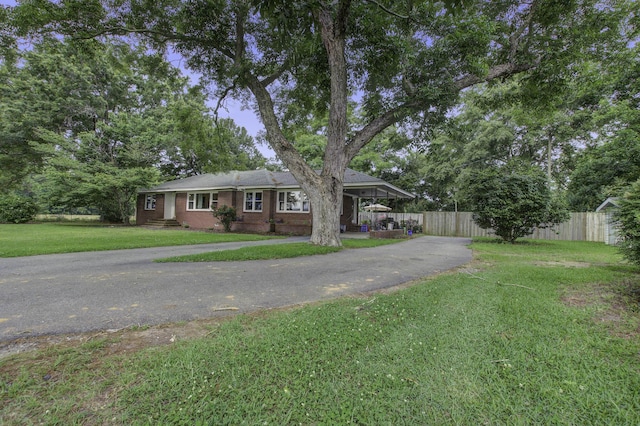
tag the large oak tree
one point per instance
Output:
(401, 61)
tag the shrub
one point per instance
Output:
(226, 215)
(17, 209)
(513, 200)
(628, 220)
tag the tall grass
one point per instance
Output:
(495, 343)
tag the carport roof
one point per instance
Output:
(355, 183)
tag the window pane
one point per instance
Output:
(191, 202)
(150, 202)
(205, 201)
(258, 203)
(253, 201)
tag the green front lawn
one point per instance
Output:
(48, 238)
(536, 333)
(276, 251)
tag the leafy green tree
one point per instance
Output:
(58, 88)
(513, 200)
(31, 100)
(403, 62)
(15, 208)
(99, 120)
(103, 136)
(605, 171)
(493, 125)
(102, 174)
(628, 220)
(206, 145)
(609, 167)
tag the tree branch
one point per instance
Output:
(239, 53)
(161, 37)
(283, 148)
(342, 17)
(389, 11)
(498, 71)
(498, 282)
(515, 38)
(402, 111)
(368, 132)
(221, 99)
(276, 75)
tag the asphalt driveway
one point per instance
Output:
(80, 292)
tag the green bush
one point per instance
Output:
(17, 209)
(628, 220)
(513, 200)
(226, 215)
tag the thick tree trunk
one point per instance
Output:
(324, 190)
(326, 200)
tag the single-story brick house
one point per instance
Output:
(265, 201)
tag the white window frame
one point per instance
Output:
(195, 201)
(253, 201)
(150, 202)
(285, 206)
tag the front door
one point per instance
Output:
(170, 205)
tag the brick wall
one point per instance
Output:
(142, 215)
(250, 221)
(195, 219)
(268, 220)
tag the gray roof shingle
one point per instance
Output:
(262, 179)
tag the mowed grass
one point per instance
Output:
(276, 251)
(536, 333)
(48, 238)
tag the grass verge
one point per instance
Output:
(68, 237)
(524, 335)
(276, 251)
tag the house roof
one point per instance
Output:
(611, 202)
(355, 183)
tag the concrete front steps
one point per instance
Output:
(162, 223)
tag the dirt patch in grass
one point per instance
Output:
(617, 306)
(127, 340)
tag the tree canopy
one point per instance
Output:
(628, 221)
(607, 167)
(100, 120)
(403, 63)
(512, 200)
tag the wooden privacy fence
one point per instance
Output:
(579, 227)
